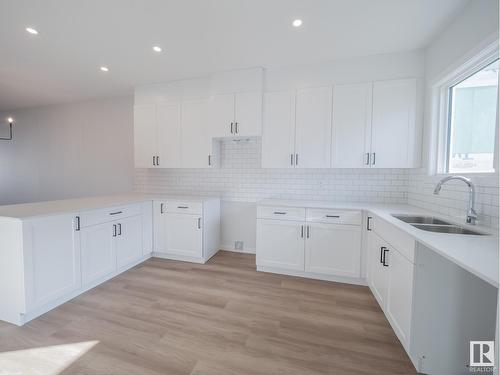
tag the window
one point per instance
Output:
(471, 121)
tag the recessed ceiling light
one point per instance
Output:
(104, 69)
(157, 49)
(32, 31)
(297, 23)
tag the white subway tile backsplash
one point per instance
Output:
(240, 178)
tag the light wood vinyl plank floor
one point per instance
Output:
(167, 317)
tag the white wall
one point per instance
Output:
(474, 28)
(70, 150)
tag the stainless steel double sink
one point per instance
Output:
(433, 224)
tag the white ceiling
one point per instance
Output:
(76, 37)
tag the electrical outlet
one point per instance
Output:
(238, 245)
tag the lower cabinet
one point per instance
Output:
(184, 235)
(280, 244)
(327, 248)
(52, 259)
(128, 241)
(391, 277)
(333, 249)
(98, 252)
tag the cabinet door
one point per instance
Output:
(169, 135)
(145, 135)
(278, 134)
(248, 114)
(52, 260)
(222, 115)
(160, 227)
(98, 252)
(377, 273)
(333, 249)
(393, 124)
(400, 294)
(351, 129)
(196, 143)
(129, 241)
(184, 235)
(313, 137)
(280, 244)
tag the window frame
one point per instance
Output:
(442, 97)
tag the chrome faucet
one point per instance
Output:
(471, 212)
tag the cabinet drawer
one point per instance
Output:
(281, 213)
(104, 215)
(401, 241)
(182, 207)
(320, 215)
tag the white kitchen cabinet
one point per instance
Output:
(313, 131)
(186, 229)
(280, 244)
(333, 249)
(236, 115)
(400, 295)
(196, 143)
(128, 241)
(52, 257)
(145, 136)
(395, 137)
(351, 130)
(184, 235)
(157, 135)
(278, 135)
(98, 252)
(377, 272)
(169, 135)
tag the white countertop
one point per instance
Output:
(477, 254)
(29, 210)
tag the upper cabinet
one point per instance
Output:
(236, 115)
(395, 135)
(351, 132)
(375, 125)
(157, 135)
(297, 129)
(313, 130)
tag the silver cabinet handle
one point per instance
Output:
(296, 159)
(77, 224)
(232, 127)
(114, 230)
(209, 160)
(236, 127)
(116, 213)
(182, 207)
(119, 229)
(367, 158)
(333, 216)
(161, 207)
(279, 213)
(157, 160)
(373, 159)
(154, 160)
(301, 231)
(308, 234)
(291, 159)
(199, 223)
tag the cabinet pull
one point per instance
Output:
(236, 127)
(77, 224)
(368, 220)
(182, 207)
(301, 231)
(367, 158)
(209, 160)
(373, 160)
(279, 213)
(119, 229)
(382, 254)
(114, 230)
(383, 260)
(291, 159)
(154, 160)
(308, 234)
(116, 213)
(333, 216)
(232, 127)
(199, 223)
(296, 159)
(161, 208)
(157, 160)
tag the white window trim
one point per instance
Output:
(440, 110)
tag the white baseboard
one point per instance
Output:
(231, 248)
